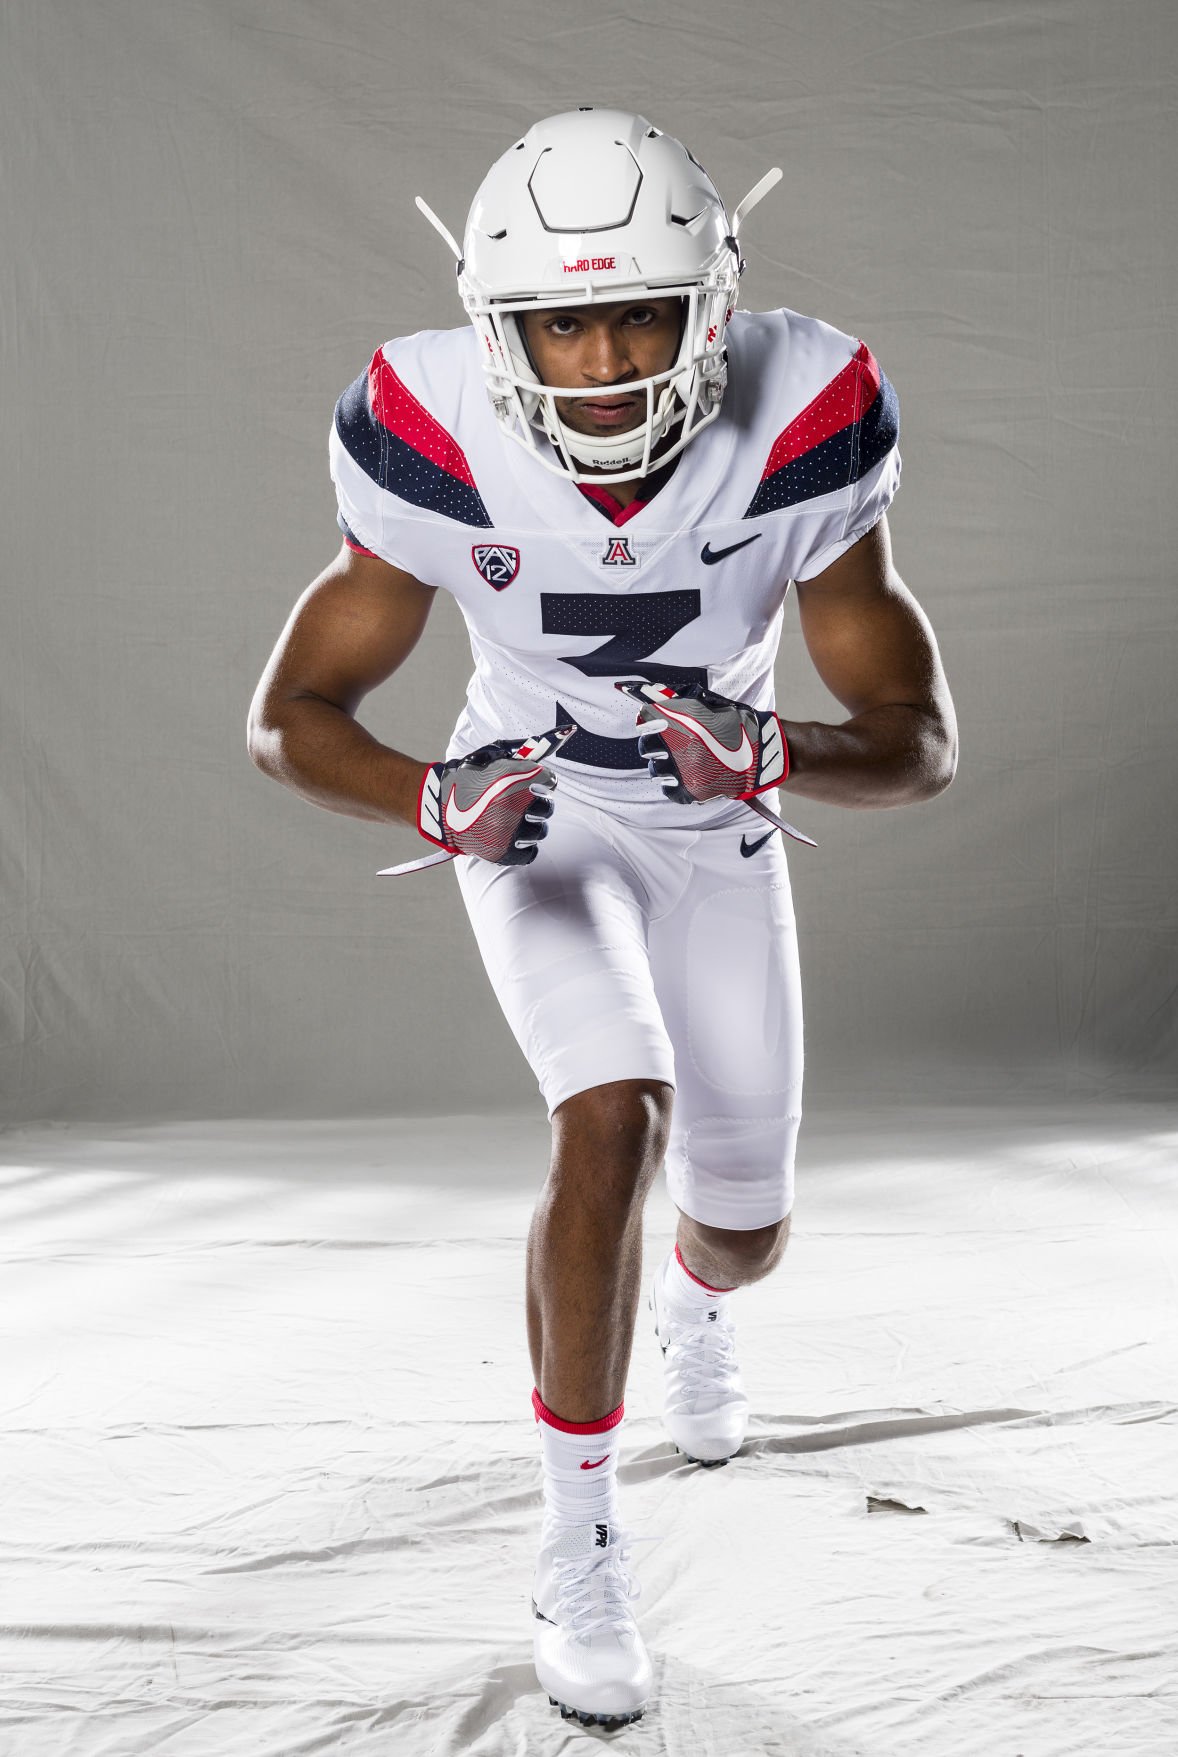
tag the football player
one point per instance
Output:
(618, 475)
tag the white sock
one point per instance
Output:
(580, 1466)
(687, 1292)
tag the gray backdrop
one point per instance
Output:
(208, 226)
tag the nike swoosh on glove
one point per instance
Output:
(701, 745)
(494, 802)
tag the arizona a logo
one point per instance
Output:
(497, 563)
(617, 553)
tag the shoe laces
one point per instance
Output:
(702, 1352)
(595, 1590)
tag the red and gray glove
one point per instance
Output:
(701, 745)
(493, 802)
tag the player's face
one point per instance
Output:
(612, 345)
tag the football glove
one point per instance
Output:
(493, 802)
(701, 745)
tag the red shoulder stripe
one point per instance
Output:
(396, 408)
(845, 400)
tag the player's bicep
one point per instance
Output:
(351, 629)
(869, 639)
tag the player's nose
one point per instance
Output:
(607, 358)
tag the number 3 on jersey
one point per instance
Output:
(639, 624)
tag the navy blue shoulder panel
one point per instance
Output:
(798, 470)
(429, 471)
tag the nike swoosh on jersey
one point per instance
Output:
(710, 556)
(461, 818)
(737, 760)
(747, 847)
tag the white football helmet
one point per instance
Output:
(589, 208)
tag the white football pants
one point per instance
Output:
(625, 952)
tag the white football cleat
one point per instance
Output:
(589, 1655)
(705, 1408)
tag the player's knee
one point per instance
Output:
(761, 1248)
(630, 1115)
(754, 1251)
(621, 1128)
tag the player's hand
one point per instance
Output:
(493, 802)
(701, 745)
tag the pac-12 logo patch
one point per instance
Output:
(497, 563)
(617, 553)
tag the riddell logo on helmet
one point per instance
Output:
(585, 265)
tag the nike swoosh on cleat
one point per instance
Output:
(587, 1466)
(747, 847)
(459, 817)
(710, 556)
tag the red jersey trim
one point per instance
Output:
(397, 409)
(839, 405)
(610, 505)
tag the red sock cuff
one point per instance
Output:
(696, 1279)
(602, 1426)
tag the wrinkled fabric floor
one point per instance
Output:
(271, 1477)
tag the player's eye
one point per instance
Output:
(641, 315)
(561, 326)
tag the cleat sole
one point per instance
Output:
(705, 1463)
(608, 1722)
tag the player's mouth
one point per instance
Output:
(612, 412)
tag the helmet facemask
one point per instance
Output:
(680, 400)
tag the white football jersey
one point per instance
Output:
(560, 602)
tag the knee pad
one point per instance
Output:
(734, 1171)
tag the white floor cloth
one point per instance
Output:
(271, 1477)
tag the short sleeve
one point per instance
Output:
(866, 453)
(399, 472)
(836, 466)
(357, 444)
(351, 539)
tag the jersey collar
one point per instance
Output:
(611, 506)
(682, 500)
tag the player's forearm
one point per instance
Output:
(893, 755)
(321, 753)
